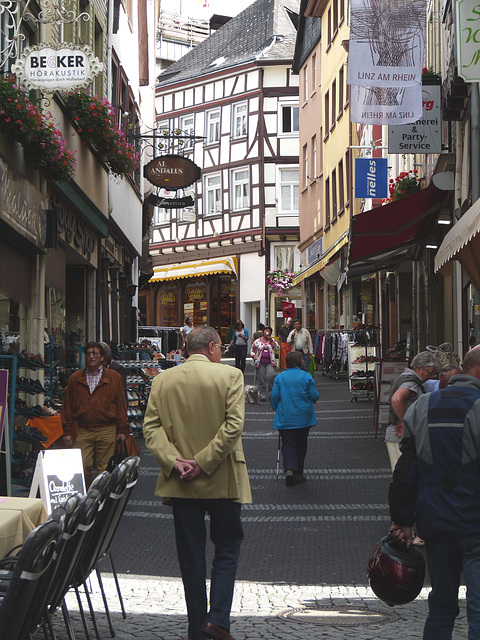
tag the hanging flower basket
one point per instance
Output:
(280, 280)
(95, 122)
(404, 185)
(44, 145)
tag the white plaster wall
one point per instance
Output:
(126, 210)
(275, 77)
(252, 287)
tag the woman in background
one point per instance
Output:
(263, 354)
(239, 342)
(185, 330)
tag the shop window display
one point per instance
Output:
(9, 324)
(223, 312)
(168, 309)
(195, 303)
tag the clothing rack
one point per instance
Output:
(330, 349)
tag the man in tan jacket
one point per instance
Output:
(193, 426)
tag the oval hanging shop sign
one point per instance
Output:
(51, 68)
(172, 172)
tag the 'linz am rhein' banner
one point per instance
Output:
(385, 61)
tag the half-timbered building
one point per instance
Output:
(231, 106)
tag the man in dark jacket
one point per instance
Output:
(95, 403)
(436, 484)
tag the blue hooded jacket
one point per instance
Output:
(292, 397)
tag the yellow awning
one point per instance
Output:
(323, 261)
(194, 269)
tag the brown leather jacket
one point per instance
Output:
(106, 405)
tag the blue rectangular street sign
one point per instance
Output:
(371, 180)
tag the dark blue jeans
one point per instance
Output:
(447, 559)
(240, 356)
(294, 448)
(226, 533)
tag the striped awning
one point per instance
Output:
(194, 269)
(462, 243)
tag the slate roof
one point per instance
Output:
(309, 33)
(263, 31)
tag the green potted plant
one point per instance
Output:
(404, 185)
(94, 119)
(44, 145)
(280, 280)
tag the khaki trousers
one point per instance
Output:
(97, 448)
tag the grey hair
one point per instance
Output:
(451, 367)
(425, 359)
(199, 338)
(107, 352)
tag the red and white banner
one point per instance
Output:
(288, 309)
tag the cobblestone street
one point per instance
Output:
(302, 570)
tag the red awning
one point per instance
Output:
(382, 235)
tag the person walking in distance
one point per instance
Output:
(293, 397)
(196, 438)
(301, 340)
(265, 362)
(239, 342)
(285, 348)
(95, 402)
(436, 486)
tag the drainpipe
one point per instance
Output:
(475, 140)
(457, 269)
(414, 309)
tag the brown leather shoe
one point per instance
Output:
(289, 478)
(211, 630)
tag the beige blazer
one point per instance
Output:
(197, 410)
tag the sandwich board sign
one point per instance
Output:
(58, 475)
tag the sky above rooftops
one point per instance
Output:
(204, 9)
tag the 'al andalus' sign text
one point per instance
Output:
(52, 68)
(172, 172)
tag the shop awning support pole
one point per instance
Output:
(475, 141)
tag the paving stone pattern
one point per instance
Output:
(302, 572)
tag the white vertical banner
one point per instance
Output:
(385, 60)
(382, 105)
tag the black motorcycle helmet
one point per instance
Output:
(396, 573)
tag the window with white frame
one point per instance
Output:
(213, 126)
(160, 216)
(240, 189)
(314, 157)
(305, 165)
(188, 214)
(289, 118)
(239, 124)
(187, 126)
(288, 190)
(284, 257)
(213, 194)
